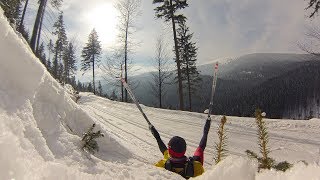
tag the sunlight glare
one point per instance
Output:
(104, 19)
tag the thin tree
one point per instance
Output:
(129, 11)
(69, 59)
(90, 54)
(113, 68)
(37, 23)
(168, 10)
(188, 55)
(163, 71)
(60, 45)
(23, 15)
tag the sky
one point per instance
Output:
(222, 28)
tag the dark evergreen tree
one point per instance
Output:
(60, 72)
(113, 95)
(79, 86)
(100, 93)
(12, 10)
(188, 55)
(50, 47)
(168, 10)
(69, 60)
(90, 54)
(89, 87)
(41, 54)
(60, 44)
(49, 66)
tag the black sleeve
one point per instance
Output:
(203, 142)
(161, 145)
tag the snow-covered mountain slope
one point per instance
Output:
(41, 129)
(258, 66)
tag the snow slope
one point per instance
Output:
(41, 129)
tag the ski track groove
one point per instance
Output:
(232, 128)
(119, 135)
(192, 143)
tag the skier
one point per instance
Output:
(174, 156)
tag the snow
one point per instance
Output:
(41, 128)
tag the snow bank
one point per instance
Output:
(41, 127)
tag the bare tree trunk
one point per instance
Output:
(189, 86)
(121, 85)
(36, 25)
(94, 87)
(23, 14)
(160, 84)
(181, 104)
(126, 58)
(39, 33)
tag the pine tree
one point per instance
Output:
(265, 162)
(114, 96)
(60, 72)
(89, 87)
(188, 55)
(221, 146)
(100, 89)
(41, 54)
(60, 44)
(69, 60)
(168, 10)
(79, 86)
(89, 143)
(12, 10)
(90, 54)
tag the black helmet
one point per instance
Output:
(177, 146)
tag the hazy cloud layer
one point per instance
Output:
(222, 28)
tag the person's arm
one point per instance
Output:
(198, 154)
(155, 133)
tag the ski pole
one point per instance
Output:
(213, 89)
(125, 84)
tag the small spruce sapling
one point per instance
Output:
(89, 143)
(265, 162)
(221, 146)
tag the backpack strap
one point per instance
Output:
(168, 165)
(189, 168)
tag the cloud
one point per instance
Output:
(230, 28)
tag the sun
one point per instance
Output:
(104, 19)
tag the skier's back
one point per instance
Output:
(174, 156)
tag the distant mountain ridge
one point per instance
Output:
(245, 83)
